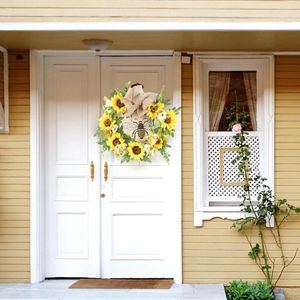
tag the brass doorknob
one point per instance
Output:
(102, 195)
(105, 171)
(92, 170)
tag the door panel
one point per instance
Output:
(72, 199)
(138, 236)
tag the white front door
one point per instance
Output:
(71, 196)
(134, 230)
(140, 207)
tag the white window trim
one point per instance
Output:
(201, 210)
(5, 129)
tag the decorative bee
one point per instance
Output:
(136, 128)
(141, 130)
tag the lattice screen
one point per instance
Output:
(223, 177)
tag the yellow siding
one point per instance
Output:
(145, 10)
(14, 176)
(215, 253)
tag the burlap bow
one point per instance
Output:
(137, 101)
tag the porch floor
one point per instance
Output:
(58, 290)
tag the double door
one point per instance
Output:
(129, 232)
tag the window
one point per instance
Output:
(229, 91)
(223, 87)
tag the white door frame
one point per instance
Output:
(37, 209)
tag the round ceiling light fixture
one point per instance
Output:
(97, 44)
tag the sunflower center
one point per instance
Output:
(168, 120)
(120, 104)
(107, 123)
(153, 109)
(136, 150)
(158, 142)
(116, 142)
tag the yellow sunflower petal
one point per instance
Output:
(154, 109)
(117, 104)
(115, 140)
(170, 120)
(136, 150)
(155, 141)
(106, 122)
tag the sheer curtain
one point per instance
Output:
(250, 87)
(1, 116)
(218, 90)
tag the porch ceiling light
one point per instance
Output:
(97, 44)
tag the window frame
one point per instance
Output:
(5, 129)
(202, 65)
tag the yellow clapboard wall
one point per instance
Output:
(215, 253)
(145, 10)
(14, 176)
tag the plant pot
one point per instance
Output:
(279, 294)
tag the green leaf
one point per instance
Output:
(266, 267)
(243, 290)
(282, 202)
(254, 251)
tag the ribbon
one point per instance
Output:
(137, 101)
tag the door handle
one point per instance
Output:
(92, 170)
(105, 171)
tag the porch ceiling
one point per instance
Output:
(154, 40)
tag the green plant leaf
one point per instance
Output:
(254, 251)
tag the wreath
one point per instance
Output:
(135, 125)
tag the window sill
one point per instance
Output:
(225, 213)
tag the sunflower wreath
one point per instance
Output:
(135, 125)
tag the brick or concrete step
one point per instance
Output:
(58, 290)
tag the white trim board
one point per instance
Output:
(150, 26)
(4, 52)
(110, 53)
(37, 228)
(178, 144)
(36, 169)
(233, 54)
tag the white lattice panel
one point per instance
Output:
(224, 179)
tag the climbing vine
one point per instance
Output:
(264, 213)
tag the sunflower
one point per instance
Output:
(106, 122)
(136, 150)
(153, 109)
(170, 121)
(117, 104)
(115, 140)
(155, 141)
